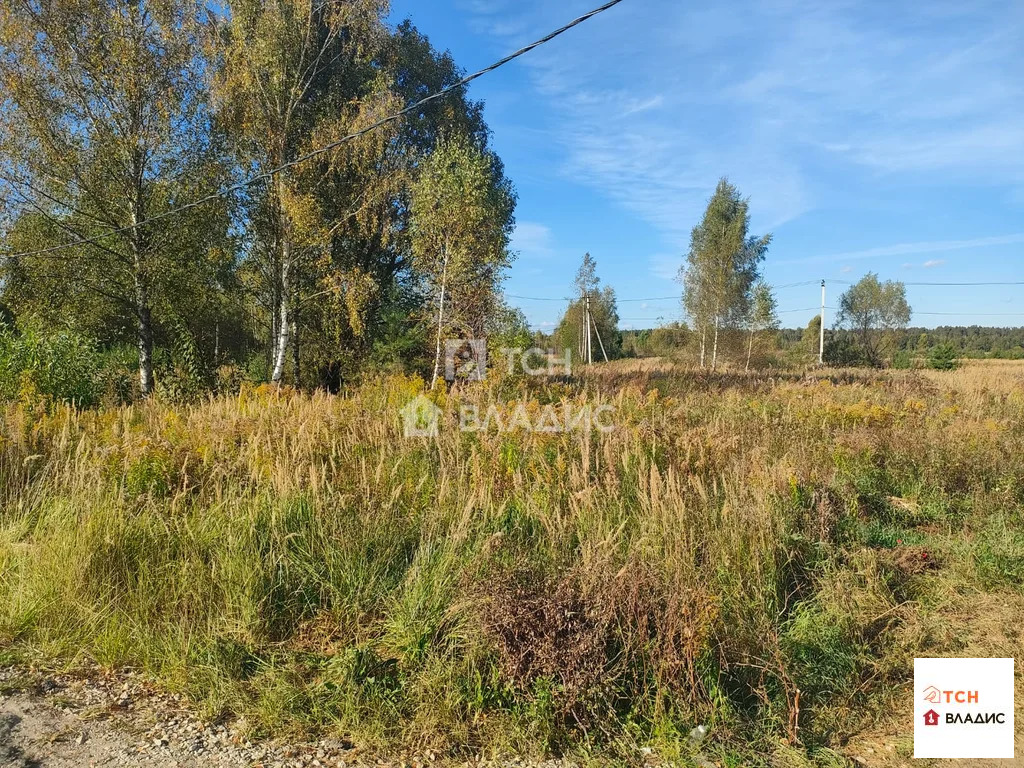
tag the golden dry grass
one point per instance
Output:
(735, 539)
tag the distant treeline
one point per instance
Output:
(967, 340)
(794, 344)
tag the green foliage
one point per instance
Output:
(943, 358)
(722, 264)
(462, 219)
(328, 247)
(604, 315)
(57, 364)
(902, 360)
(873, 311)
(664, 341)
(181, 375)
(91, 155)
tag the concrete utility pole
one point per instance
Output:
(598, 334)
(821, 341)
(586, 314)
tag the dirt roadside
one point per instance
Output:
(98, 718)
(102, 719)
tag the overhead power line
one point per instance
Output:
(575, 298)
(992, 282)
(676, 297)
(270, 173)
(971, 314)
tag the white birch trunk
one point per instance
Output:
(714, 349)
(283, 324)
(143, 312)
(440, 318)
(283, 320)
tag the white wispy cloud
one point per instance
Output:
(532, 239)
(649, 110)
(644, 105)
(933, 263)
(665, 266)
(904, 249)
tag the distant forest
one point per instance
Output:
(973, 341)
(968, 341)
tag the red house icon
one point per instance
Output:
(931, 717)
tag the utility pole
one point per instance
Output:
(598, 334)
(821, 341)
(586, 314)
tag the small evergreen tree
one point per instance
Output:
(943, 358)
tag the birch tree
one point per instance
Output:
(462, 220)
(873, 310)
(363, 274)
(289, 76)
(103, 128)
(721, 266)
(604, 315)
(763, 313)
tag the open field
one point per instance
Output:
(759, 555)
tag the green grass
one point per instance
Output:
(733, 541)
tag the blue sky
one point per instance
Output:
(882, 136)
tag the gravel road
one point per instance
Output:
(103, 719)
(97, 719)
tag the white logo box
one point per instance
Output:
(972, 702)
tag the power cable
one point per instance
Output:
(327, 147)
(993, 282)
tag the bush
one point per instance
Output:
(844, 352)
(117, 378)
(943, 358)
(903, 360)
(58, 364)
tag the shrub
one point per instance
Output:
(57, 364)
(943, 358)
(903, 360)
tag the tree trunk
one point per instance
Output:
(284, 319)
(145, 337)
(714, 349)
(750, 348)
(275, 305)
(143, 311)
(296, 369)
(440, 318)
(703, 344)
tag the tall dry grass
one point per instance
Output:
(744, 552)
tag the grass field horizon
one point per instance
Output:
(758, 554)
